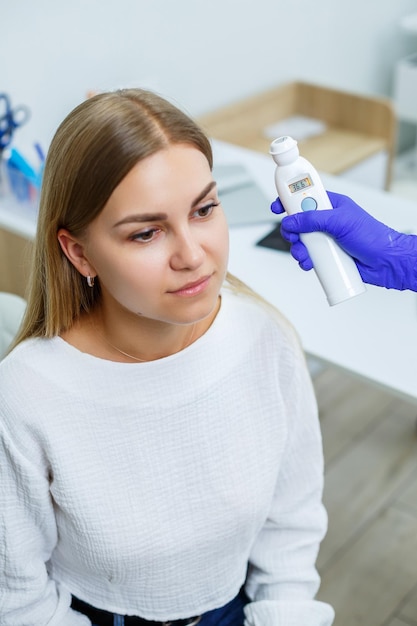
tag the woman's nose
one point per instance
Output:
(187, 251)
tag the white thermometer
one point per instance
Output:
(300, 189)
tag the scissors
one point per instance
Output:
(10, 119)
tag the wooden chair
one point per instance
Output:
(356, 127)
(14, 262)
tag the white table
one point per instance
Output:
(373, 335)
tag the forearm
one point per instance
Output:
(282, 579)
(27, 538)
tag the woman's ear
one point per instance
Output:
(74, 251)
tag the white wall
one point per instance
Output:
(201, 53)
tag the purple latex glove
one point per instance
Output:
(384, 257)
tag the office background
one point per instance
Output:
(201, 54)
(204, 55)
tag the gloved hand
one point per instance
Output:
(384, 257)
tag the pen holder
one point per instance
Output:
(14, 183)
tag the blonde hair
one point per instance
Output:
(94, 148)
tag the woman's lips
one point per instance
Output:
(194, 288)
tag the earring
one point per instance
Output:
(90, 281)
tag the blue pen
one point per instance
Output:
(40, 152)
(41, 156)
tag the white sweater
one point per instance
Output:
(148, 488)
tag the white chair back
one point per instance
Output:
(12, 308)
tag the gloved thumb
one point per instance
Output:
(307, 222)
(277, 206)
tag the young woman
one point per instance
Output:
(161, 453)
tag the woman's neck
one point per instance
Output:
(130, 338)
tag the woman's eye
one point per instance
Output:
(145, 235)
(206, 210)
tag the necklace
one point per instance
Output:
(135, 358)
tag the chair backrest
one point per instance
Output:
(12, 308)
(356, 126)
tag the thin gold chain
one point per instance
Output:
(135, 358)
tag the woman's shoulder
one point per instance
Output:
(28, 362)
(28, 348)
(19, 382)
(17, 362)
(254, 327)
(254, 312)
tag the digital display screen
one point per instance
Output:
(300, 184)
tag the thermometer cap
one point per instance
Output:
(284, 150)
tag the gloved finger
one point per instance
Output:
(307, 222)
(277, 206)
(306, 265)
(300, 254)
(288, 235)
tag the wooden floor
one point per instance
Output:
(368, 560)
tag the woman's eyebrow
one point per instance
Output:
(142, 217)
(160, 217)
(203, 194)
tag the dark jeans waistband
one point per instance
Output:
(231, 614)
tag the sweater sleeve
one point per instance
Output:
(282, 579)
(28, 597)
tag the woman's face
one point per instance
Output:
(160, 246)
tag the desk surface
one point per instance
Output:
(373, 335)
